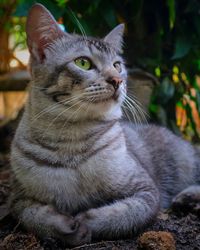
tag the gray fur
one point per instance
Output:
(79, 171)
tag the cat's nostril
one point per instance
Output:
(115, 81)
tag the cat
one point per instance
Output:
(79, 171)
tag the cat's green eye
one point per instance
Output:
(83, 63)
(118, 67)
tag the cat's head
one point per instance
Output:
(81, 74)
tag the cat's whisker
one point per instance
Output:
(69, 118)
(65, 110)
(79, 25)
(54, 106)
(139, 109)
(126, 113)
(135, 110)
(138, 102)
(138, 115)
(87, 108)
(130, 108)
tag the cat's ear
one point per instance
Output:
(42, 29)
(115, 37)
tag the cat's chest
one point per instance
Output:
(95, 181)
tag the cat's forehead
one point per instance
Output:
(96, 47)
(98, 44)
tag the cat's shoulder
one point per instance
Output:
(149, 132)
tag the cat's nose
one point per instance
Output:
(115, 81)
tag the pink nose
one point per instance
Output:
(115, 81)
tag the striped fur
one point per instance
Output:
(79, 171)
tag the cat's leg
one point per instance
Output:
(45, 221)
(123, 217)
(189, 198)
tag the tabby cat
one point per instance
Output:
(79, 171)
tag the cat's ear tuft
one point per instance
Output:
(115, 37)
(42, 29)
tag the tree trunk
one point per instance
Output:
(4, 51)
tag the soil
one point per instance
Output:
(173, 229)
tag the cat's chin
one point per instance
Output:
(107, 109)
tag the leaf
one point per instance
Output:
(182, 47)
(61, 3)
(153, 108)
(198, 100)
(162, 116)
(174, 128)
(172, 12)
(166, 91)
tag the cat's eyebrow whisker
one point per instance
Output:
(79, 25)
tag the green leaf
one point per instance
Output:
(61, 3)
(157, 71)
(162, 116)
(198, 100)
(174, 127)
(153, 108)
(166, 91)
(172, 12)
(182, 47)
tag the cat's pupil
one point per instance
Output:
(82, 62)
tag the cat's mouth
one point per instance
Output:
(103, 99)
(97, 94)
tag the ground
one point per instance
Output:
(183, 226)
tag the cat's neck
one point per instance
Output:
(47, 126)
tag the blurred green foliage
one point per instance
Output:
(162, 37)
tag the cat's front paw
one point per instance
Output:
(81, 236)
(71, 231)
(68, 229)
